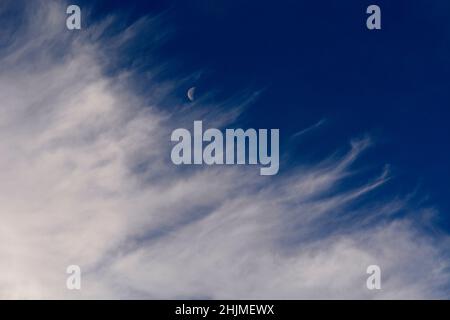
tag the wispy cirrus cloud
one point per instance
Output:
(87, 180)
(317, 125)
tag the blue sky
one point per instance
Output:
(318, 62)
(364, 147)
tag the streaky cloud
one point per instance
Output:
(87, 180)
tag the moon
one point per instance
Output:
(191, 94)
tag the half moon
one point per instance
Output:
(191, 93)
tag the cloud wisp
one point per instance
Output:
(317, 125)
(87, 180)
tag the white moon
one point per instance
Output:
(191, 93)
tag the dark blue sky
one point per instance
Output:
(316, 60)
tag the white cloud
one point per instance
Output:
(86, 179)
